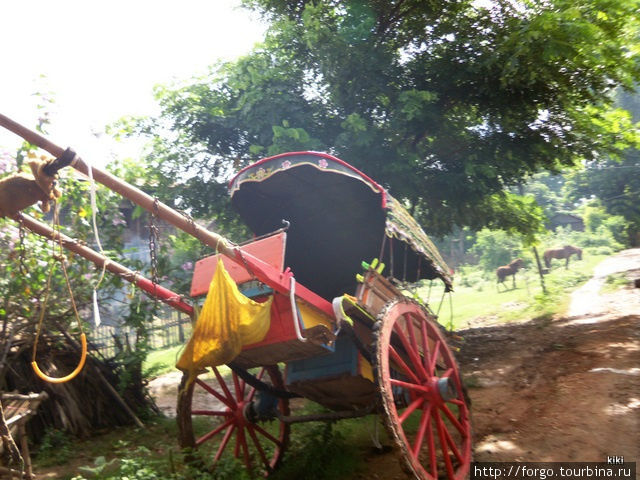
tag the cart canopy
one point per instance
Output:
(338, 218)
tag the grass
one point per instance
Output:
(477, 298)
(614, 282)
(317, 451)
(162, 361)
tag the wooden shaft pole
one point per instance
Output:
(163, 294)
(261, 270)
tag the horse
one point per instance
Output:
(510, 269)
(564, 252)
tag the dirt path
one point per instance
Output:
(561, 390)
(566, 389)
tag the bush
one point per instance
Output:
(495, 248)
(55, 449)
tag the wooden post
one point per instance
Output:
(535, 252)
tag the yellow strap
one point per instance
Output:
(72, 375)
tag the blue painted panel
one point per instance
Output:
(252, 291)
(343, 360)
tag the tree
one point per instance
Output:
(616, 185)
(447, 103)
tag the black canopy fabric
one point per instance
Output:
(338, 218)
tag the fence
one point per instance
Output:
(173, 329)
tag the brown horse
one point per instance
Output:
(511, 269)
(564, 252)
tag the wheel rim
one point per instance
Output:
(217, 423)
(422, 394)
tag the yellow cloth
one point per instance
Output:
(228, 320)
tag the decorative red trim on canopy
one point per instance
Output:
(365, 177)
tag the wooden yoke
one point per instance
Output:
(279, 281)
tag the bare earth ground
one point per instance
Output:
(566, 389)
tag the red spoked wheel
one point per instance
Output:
(425, 409)
(218, 417)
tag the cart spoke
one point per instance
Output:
(434, 358)
(410, 409)
(227, 401)
(223, 385)
(410, 386)
(238, 388)
(268, 435)
(258, 446)
(425, 348)
(424, 424)
(252, 392)
(413, 354)
(215, 431)
(223, 444)
(444, 445)
(212, 413)
(452, 445)
(432, 448)
(243, 386)
(397, 359)
(408, 320)
(242, 440)
(236, 447)
(453, 419)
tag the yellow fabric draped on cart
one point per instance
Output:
(228, 320)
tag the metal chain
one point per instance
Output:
(153, 249)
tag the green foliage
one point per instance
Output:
(23, 292)
(55, 448)
(617, 186)
(317, 451)
(494, 248)
(614, 282)
(593, 215)
(161, 361)
(322, 453)
(449, 103)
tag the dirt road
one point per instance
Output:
(566, 389)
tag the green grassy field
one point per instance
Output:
(162, 361)
(476, 296)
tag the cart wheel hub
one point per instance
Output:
(446, 389)
(241, 413)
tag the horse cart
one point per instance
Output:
(331, 253)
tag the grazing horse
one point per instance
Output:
(564, 252)
(511, 269)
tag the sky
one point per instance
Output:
(101, 61)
